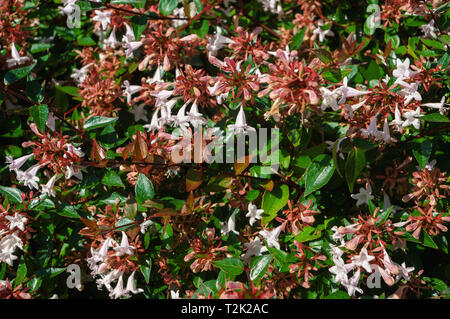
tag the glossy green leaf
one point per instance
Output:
(273, 201)
(144, 189)
(318, 173)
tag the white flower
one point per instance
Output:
(385, 134)
(129, 35)
(272, 236)
(403, 71)
(336, 251)
(48, 188)
(230, 225)
(363, 259)
(103, 251)
(80, 75)
(104, 17)
(363, 196)
(398, 122)
(154, 123)
(216, 42)
(254, 248)
(131, 285)
(157, 76)
(195, 117)
(16, 59)
(108, 278)
(329, 99)
(144, 226)
(404, 272)
(429, 30)
(174, 294)
(29, 178)
(410, 92)
(352, 108)
(119, 292)
(74, 150)
(70, 171)
(340, 269)
(15, 164)
(129, 90)
(220, 97)
(241, 127)
(124, 247)
(16, 221)
(131, 47)
(322, 33)
(337, 235)
(372, 130)
(412, 118)
(8, 245)
(285, 55)
(139, 112)
(439, 106)
(352, 284)
(347, 91)
(111, 41)
(254, 213)
(272, 6)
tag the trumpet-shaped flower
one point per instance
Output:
(16, 59)
(241, 127)
(271, 237)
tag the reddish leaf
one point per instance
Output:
(194, 178)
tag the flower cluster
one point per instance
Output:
(224, 149)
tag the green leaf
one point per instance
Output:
(203, 30)
(435, 117)
(422, 149)
(273, 201)
(14, 195)
(307, 234)
(39, 47)
(98, 121)
(17, 74)
(139, 23)
(428, 241)
(318, 173)
(39, 114)
(125, 222)
(166, 7)
(332, 75)
(21, 273)
(34, 283)
(112, 179)
(146, 267)
(232, 266)
(86, 41)
(144, 189)
(338, 295)
(297, 39)
(353, 166)
(69, 211)
(71, 90)
(34, 90)
(261, 267)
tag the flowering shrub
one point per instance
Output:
(118, 181)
